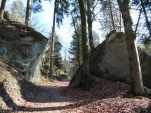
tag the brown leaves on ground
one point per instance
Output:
(106, 97)
(114, 105)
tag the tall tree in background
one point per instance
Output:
(52, 39)
(17, 11)
(57, 55)
(89, 21)
(137, 24)
(134, 63)
(146, 17)
(105, 17)
(83, 30)
(75, 47)
(60, 8)
(3, 3)
(57, 60)
(111, 14)
(76, 43)
(144, 11)
(28, 12)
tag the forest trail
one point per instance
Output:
(47, 98)
(56, 97)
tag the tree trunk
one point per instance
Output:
(28, 12)
(111, 15)
(120, 22)
(140, 12)
(89, 21)
(84, 80)
(79, 46)
(83, 31)
(52, 41)
(134, 63)
(3, 3)
(146, 17)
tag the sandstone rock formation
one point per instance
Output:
(21, 46)
(109, 60)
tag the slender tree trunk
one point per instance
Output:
(52, 42)
(84, 80)
(83, 31)
(134, 63)
(89, 21)
(78, 51)
(78, 38)
(111, 15)
(146, 17)
(28, 12)
(3, 3)
(120, 22)
(140, 12)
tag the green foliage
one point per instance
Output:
(57, 58)
(106, 8)
(62, 7)
(75, 48)
(57, 54)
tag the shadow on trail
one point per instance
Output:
(16, 108)
(34, 93)
(42, 94)
(6, 98)
(49, 94)
(27, 88)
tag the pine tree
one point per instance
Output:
(146, 17)
(75, 48)
(60, 9)
(83, 31)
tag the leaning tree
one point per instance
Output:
(134, 63)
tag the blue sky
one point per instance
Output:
(43, 22)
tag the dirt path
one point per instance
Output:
(56, 97)
(42, 99)
(48, 99)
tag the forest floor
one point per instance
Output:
(56, 97)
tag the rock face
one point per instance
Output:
(109, 60)
(20, 46)
(145, 55)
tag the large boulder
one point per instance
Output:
(109, 60)
(145, 55)
(21, 46)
